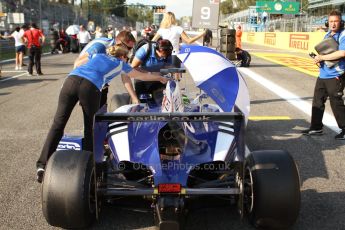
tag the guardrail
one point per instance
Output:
(7, 49)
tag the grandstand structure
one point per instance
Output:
(322, 7)
(314, 18)
(44, 12)
(49, 13)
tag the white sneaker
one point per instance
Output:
(17, 68)
(20, 68)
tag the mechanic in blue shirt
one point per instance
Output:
(99, 45)
(330, 82)
(151, 58)
(84, 84)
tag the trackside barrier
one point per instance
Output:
(303, 42)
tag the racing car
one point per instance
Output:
(173, 152)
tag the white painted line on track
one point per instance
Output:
(14, 71)
(305, 107)
(10, 78)
(25, 58)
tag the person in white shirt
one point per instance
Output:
(17, 35)
(98, 32)
(83, 36)
(169, 30)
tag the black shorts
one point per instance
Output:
(20, 49)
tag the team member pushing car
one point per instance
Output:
(99, 45)
(84, 84)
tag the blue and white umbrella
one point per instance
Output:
(217, 77)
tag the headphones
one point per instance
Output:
(342, 23)
(164, 44)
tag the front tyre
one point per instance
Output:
(271, 189)
(68, 189)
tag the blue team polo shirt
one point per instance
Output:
(152, 63)
(339, 68)
(101, 69)
(98, 45)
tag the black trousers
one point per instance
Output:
(35, 58)
(73, 90)
(82, 46)
(332, 88)
(104, 95)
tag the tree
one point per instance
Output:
(304, 6)
(116, 7)
(140, 13)
(226, 7)
(233, 6)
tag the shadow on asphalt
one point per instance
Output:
(207, 213)
(219, 214)
(285, 135)
(254, 102)
(48, 64)
(327, 210)
(25, 81)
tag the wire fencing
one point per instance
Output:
(300, 23)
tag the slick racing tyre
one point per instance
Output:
(227, 47)
(230, 55)
(272, 189)
(68, 190)
(227, 40)
(225, 31)
(118, 100)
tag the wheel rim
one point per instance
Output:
(248, 190)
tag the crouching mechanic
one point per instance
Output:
(152, 57)
(99, 45)
(243, 56)
(84, 84)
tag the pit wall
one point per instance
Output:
(303, 42)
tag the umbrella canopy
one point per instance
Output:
(72, 30)
(217, 77)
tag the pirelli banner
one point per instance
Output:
(303, 42)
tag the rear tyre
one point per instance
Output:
(68, 190)
(119, 100)
(225, 31)
(227, 40)
(272, 189)
(230, 56)
(227, 47)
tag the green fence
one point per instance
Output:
(7, 49)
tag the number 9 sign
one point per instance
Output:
(205, 14)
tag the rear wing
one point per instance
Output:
(179, 117)
(103, 120)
